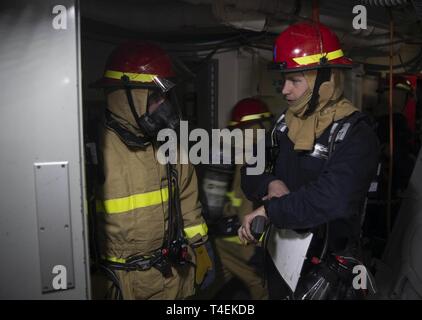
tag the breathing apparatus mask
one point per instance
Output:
(160, 112)
(160, 115)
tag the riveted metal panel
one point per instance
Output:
(54, 225)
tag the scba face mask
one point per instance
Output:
(161, 114)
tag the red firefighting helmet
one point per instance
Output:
(141, 63)
(247, 110)
(306, 46)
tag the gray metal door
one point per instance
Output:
(399, 274)
(43, 245)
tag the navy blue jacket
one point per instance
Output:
(321, 190)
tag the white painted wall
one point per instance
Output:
(228, 87)
(243, 73)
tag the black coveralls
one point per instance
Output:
(320, 190)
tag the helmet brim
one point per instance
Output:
(340, 63)
(116, 83)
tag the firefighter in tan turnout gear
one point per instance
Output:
(236, 260)
(151, 233)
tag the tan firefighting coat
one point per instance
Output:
(234, 256)
(133, 209)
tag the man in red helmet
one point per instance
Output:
(234, 260)
(150, 229)
(324, 156)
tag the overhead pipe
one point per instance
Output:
(243, 14)
(149, 17)
(254, 14)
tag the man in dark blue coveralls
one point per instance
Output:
(324, 155)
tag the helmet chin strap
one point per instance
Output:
(113, 122)
(129, 96)
(323, 75)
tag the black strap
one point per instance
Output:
(128, 92)
(171, 225)
(352, 120)
(331, 145)
(323, 75)
(174, 241)
(128, 137)
(142, 263)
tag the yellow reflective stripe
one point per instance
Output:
(234, 239)
(255, 116)
(236, 202)
(119, 260)
(132, 202)
(315, 58)
(115, 259)
(201, 229)
(140, 77)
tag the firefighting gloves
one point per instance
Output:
(205, 267)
